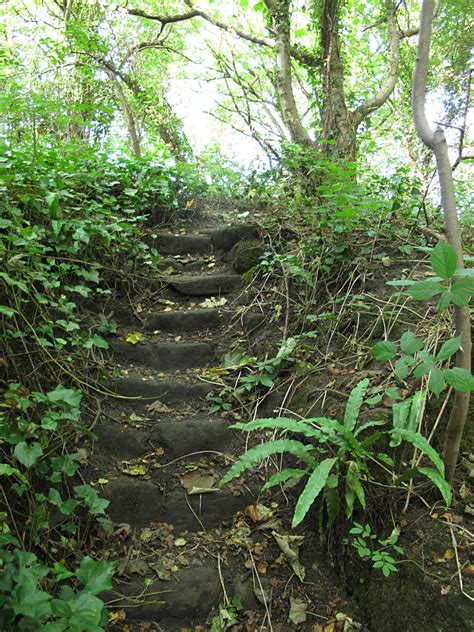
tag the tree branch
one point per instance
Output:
(164, 19)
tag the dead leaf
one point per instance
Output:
(297, 611)
(135, 338)
(202, 490)
(180, 542)
(469, 570)
(158, 407)
(116, 616)
(452, 517)
(83, 455)
(258, 513)
(135, 470)
(197, 479)
(289, 545)
(447, 556)
(140, 567)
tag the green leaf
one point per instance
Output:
(354, 403)
(27, 454)
(384, 350)
(284, 475)
(440, 482)
(417, 440)
(331, 496)
(444, 300)
(423, 369)
(314, 485)
(70, 396)
(7, 311)
(444, 260)
(353, 488)
(96, 576)
(279, 423)
(460, 379)
(410, 343)
(96, 341)
(462, 290)
(260, 452)
(402, 366)
(448, 348)
(424, 290)
(436, 382)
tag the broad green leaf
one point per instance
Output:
(444, 260)
(444, 300)
(410, 343)
(354, 403)
(459, 379)
(260, 452)
(331, 496)
(462, 291)
(419, 442)
(353, 488)
(440, 482)
(283, 476)
(448, 348)
(70, 396)
(26, 454)
(96, 341)
(279, 423)
(424, 290)
(423, 369)
(314, 485)
(96, 576)
(402, 366)
(384, 350)
(436, 382)
(86, 612)
(7, 311)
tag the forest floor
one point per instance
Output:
(189, 555)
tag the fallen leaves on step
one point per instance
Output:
(139, 567)
(447, 556)
(116, 616)
(297, 611)
(214, 301)
(289, 545)
(135, 338)
(134, 470)
(158, 407)
(258, 513)
(197, 482)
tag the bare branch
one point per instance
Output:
(164, 19)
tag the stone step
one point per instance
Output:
(178, 438)
(169, 391)
(166, 356)
(184, 321)
(205, 241)
(140, 503)
(187, 598)
(205, 285)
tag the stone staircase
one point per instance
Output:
(160, 455)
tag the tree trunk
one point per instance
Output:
(129, 116)
(280, 13)
(339, 126)
(436, 141)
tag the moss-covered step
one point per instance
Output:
(139, 503)
(165, 356)
(184, 321)
(148, 389)
(178, 438)
(205, 285)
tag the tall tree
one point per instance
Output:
(436, 141)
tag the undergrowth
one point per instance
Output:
(71, 222)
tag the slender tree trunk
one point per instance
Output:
(280, 13)
(339, 125)
(129, 116)
(436, 141)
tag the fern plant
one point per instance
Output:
(335, 457)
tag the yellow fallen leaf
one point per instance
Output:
(102, 481)
(135, 338)
(136, 470)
